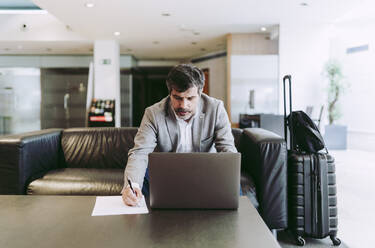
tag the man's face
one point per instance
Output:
(185, 103)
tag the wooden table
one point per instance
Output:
(66, 221)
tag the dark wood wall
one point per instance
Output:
(148, 88)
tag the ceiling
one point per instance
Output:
(158, 29)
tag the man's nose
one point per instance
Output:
(183, 103)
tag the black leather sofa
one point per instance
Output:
(91, 161)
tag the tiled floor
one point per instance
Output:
(355, 174)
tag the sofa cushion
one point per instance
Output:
(237, 135)
(97, 147)
(77, 181)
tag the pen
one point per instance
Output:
(131, 187)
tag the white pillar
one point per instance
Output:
(107, 73)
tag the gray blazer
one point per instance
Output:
(159, 131)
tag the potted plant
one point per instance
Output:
(335, 136)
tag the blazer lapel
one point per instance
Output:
(198, 123)
(172, 126)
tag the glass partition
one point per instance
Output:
(20, 97)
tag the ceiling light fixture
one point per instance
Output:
(155, 42)
(304, 4)
(89, 5)
(196, 33)
(19, 46)
(165, 14)
(116, 33)
(263, 29)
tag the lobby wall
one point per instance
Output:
(218, 75)
(252, 64)
(353, 47)
(303, 52)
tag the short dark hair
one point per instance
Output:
(184, 76)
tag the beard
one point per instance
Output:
(184, 114)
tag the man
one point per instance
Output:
(185, 121)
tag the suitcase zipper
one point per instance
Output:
(319, 196)
(314, 195)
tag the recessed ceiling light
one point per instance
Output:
(165, 14)
(263, 29)
(89, 5)
(155, 42)
(304, 4)
(116, 33)
(194, 43)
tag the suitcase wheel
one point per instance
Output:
(300, 241)
(336, 241)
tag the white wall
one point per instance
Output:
(303, 51)
(218, 76)
(358, 102)
(253, 65)
(258, 73)
(157, 63)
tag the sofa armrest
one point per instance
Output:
(265, 159)
(25, 157)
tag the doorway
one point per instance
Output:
(63, 97)
(148, 88)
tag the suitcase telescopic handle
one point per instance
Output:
(289, 79)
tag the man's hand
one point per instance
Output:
(130, 198)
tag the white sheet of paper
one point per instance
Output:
(113, 205)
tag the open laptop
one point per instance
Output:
(194, 180)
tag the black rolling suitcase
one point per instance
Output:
(312, 201)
